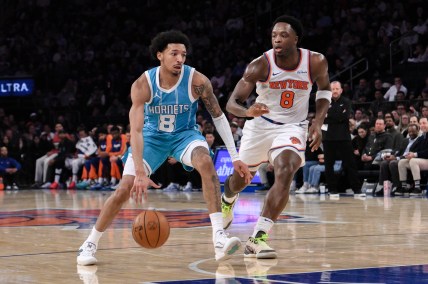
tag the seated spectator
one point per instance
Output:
(315, 173)
(416, 160)
(42, 163)
(389, 164)
(403, 124)
(66, 149)
(8, 169)
(397, 137)
(378, 140)
(363, 92)
(85, 150)
(392, 92)
(379, 103)
(359, 143)
(311, 159)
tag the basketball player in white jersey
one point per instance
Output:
(283, 78)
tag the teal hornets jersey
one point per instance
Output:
(173, 110)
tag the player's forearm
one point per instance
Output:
(222, 125)
(236, 109)
(137, 143)
(321, 110)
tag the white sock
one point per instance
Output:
(113, 181)
(216, 223)
(263, 224)
(94, 236)
(57, 175)
(306, 184)
(229, 200)
(74, 179)
(100, 180)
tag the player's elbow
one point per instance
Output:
(229, 107)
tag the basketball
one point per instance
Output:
(150, 229)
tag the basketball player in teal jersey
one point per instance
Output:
(283, 77)
(163, 124)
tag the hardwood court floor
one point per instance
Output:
(318, 240)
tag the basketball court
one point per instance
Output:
(318, 240)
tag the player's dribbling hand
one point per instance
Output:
(257, 109)
(141, 183)
(315, 137)
(242, 169)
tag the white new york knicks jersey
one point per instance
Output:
(286, 92)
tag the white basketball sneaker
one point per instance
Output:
(86, 254)
(258, 248)
(224, 246)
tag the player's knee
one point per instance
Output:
(203, 163)
(122, 193)
(287, 170)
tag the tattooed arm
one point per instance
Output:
(202, 88)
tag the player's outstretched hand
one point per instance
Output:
(315, 137)
(257, 109)
(141, 183)
(242, 169)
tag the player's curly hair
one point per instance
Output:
(161, 41)
(293, 22)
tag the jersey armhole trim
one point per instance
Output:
(269, 68)
(189, 87)
(146, 73)
(309, 68)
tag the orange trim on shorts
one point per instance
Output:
(258, 164)
(288, 145)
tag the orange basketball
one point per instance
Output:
(150, 229)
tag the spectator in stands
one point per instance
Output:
(420, 54)
(85, 150)
(363, 92)
(378, 86)
(378, 141)
(234, 128)
(403, 124)
(118, 149)
(395, 117)
(424, 111)
(8, 169)
(397, 136)
(42, 163)
(416, 160)
(423, 99)
(311, 159)
(359, 143)
(389, 165)
(379, 103)
(358, 115)
(392, 92)
(66, 149)
(337, 141)
(315, 172)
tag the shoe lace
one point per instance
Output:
(262, 238)
(226, 208)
